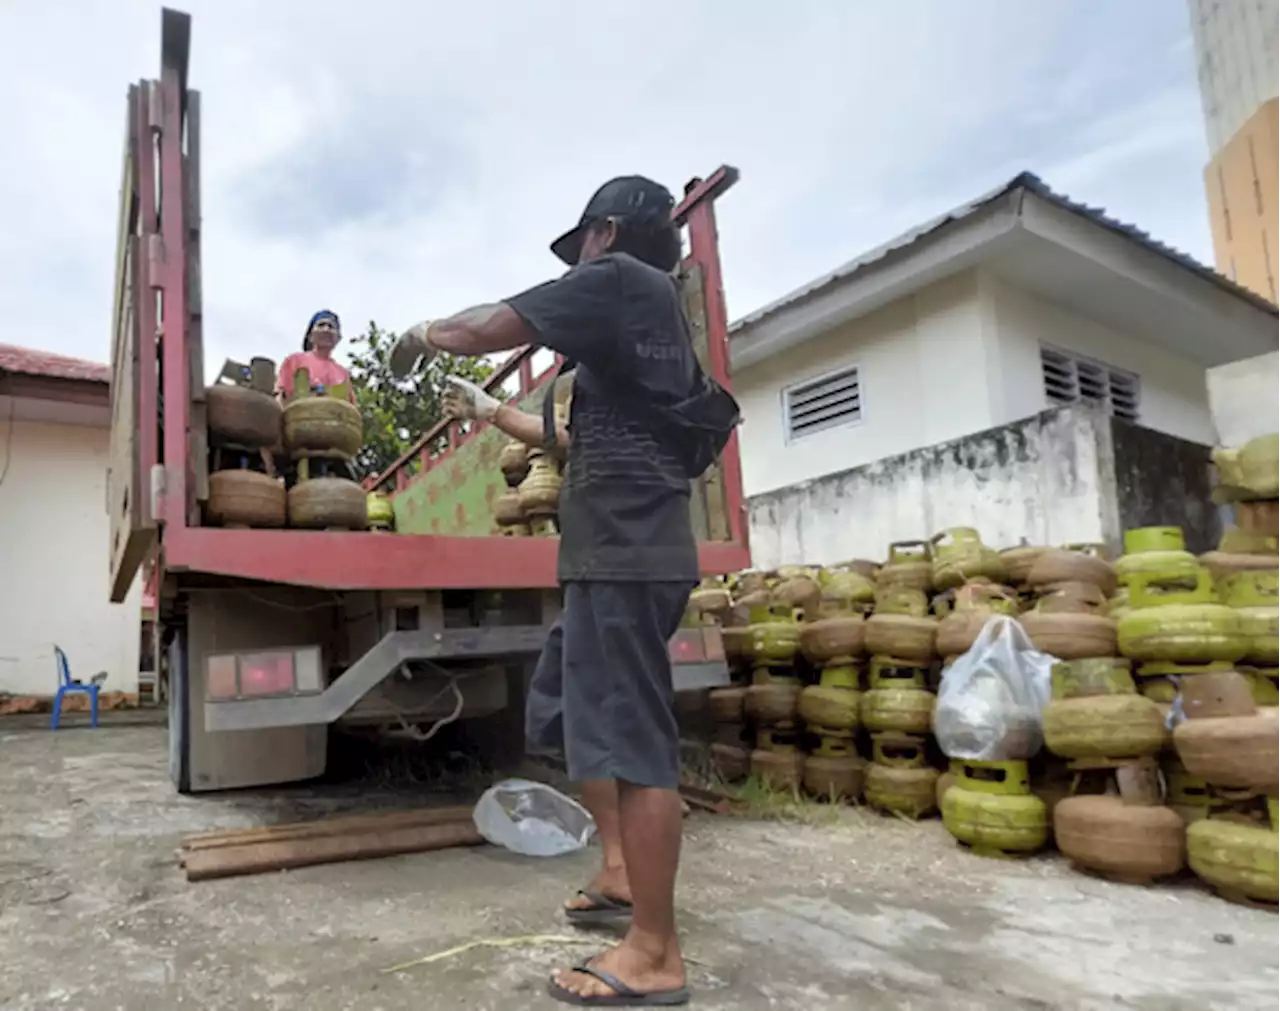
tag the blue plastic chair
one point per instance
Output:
(67, 685)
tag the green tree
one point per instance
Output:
(397, 412)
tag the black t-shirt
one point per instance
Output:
(624, 505)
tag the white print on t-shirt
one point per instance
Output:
(659, 352)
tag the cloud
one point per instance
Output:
(397, 161)
(308, 192)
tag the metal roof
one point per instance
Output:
(30, 362)
(1029, 182)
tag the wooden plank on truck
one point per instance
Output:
(709, 503)
(132, 529)
(132, 533)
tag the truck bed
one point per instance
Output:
(376, 561)
(442, 490)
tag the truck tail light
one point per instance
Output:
(687, 646)
(266, 674)
(220, 680)
(697, 645)
(263, 673)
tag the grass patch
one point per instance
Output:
(758, 799)
(761, 800)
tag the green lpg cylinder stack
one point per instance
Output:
(990, 808)
(899, 779)
(832, 640)
(1231, 745)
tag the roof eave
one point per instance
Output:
(1140, 240)
(1169, 300)
(84, 392)
(897, 272)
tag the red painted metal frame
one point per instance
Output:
(423, 453)
(695, 212)
(170, 274)
(372, 561)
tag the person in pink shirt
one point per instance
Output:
(323, 333)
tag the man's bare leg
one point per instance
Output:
(600, 797)
(648, 959)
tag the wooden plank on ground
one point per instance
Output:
(326, 827)
(706, 800)
(287, 854)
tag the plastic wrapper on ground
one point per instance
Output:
(533, 819)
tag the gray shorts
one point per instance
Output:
(602, 693)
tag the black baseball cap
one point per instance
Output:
(633, 199)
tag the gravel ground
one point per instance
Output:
(852, 911)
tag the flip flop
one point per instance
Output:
(602, 909)
(622, 996)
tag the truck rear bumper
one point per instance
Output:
(694, 667)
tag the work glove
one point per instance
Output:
(465, 400)
(410, 347)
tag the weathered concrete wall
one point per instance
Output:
(1164, 481)
(1045, 478)
(1072, 474)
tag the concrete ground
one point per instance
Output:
(856, 911)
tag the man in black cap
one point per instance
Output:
(645, 421)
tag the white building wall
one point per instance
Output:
(1172, 394)
(922, 367)
(54, 534)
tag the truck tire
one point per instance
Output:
(245, 498)
(323, 425)
(324, 502)
(242, 416)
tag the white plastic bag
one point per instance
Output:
(991, 698)
(533, 819)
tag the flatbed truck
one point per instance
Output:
(270, 638)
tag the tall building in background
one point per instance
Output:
(1235, 44)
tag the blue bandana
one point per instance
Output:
(322, 314)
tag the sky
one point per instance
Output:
(398, 161)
